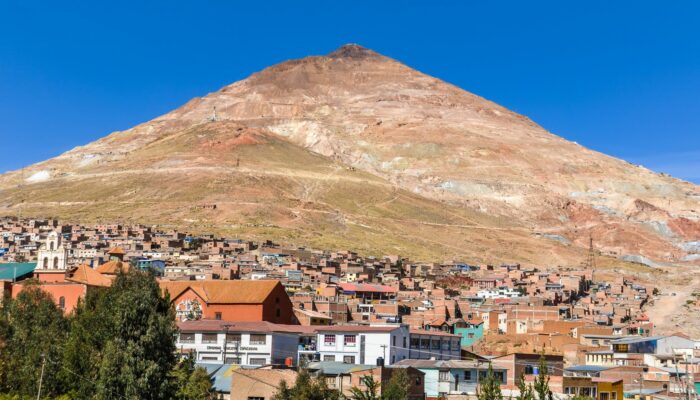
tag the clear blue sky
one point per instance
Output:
(619, 77)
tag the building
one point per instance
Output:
(232, 300)
(363, 344)
(382, 375)
(470, 331)
(239, 343)
(519, 364)
(337, 374)
(454, 377)
(259, 384)
(434, 345)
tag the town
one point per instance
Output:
(253, 313)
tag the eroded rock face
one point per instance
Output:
(370, 113)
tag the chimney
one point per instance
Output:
(380, 361)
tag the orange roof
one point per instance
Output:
(224, 291)
(88, 276)
(116, 250)
(113, 267)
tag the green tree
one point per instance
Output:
(191, 382)
(526, 392)
(140, 354)
(398, 386)
(306, 388)
(370, 392)
(541, 385)
(33, 332)
(490, 387)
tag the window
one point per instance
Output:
(467, 375)
(418, 381)
(330, 381)
(62, 303)
(186, 337)
(55, 263)
(257, 361)
(255, 398)
(217, 316)
(444, 376)
(328, 357)
(529, 370)
(278, 313)
(258, 339)
(613, 395)
(415, 343)
(233, 360)
(329, 340)
(233, 338)
(425, 343)
(604, 396)
(208, 338)
(393, 341)
(470, 335)
(349, 359)
(46, 263)
(404, 342)
(210, 358)
(436, 344)
(349, 340)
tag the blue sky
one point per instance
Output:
(619, 77)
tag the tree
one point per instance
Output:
(370, 392)
(191, 382)
(541, 385)
(33, 332)
(398, 386)
(490, 387)
(306, 388)
(526, 392)
(140, 354)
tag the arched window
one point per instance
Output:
(62, 303)
(51, 245)
(55, 263)
(46, 263)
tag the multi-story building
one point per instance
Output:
(363, 344)
(240, 343)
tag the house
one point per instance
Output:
(310, 318)
(434, 345)
(336, 374)
(382, 375)
(239, 343)
(259, 384)
(470, 331)
(230, 300)
(453, 377)
(363, 344)
(519, 364)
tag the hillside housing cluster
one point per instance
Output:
(253, 312)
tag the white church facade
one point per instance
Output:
(53, 255)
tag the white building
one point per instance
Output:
(363, 344)
(434, 345)
(241, 343)
(500, 293)
(52, 254)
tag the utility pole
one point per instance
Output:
(384, 350)
(226, 327)
(41, 377)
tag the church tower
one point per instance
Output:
(52, 258)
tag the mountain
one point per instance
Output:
(356, 150)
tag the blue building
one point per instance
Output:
(471, 331)
(454, 376)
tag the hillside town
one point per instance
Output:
(252, 313)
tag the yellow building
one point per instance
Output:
(609, 389)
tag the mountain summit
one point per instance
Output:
(357, 150)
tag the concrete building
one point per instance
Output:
(239, 343)
(363, 344)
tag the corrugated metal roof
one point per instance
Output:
(10, 271)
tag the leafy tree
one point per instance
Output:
(306, 388)
(370, 392)
(140, 354)
(490, 387)
(526, 391)
(191, 382)
(398, 386)
(541, 385)
(579, 397)
(33, 331)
